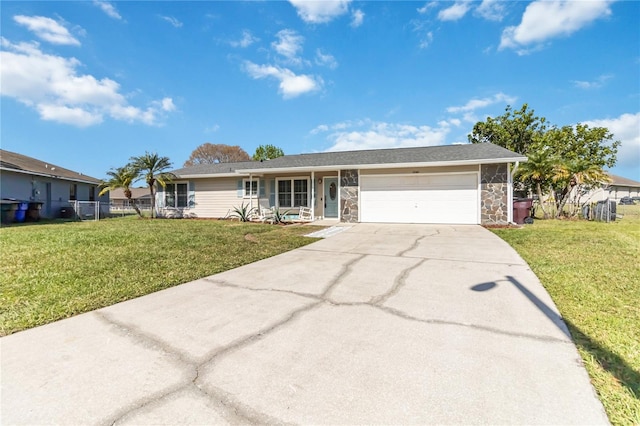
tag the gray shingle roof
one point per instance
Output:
(218, 168)
(432, 154)
(21, 163)
(622, 181)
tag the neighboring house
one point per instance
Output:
(622, 187)
(28, 179)
(458, 184)
(618, 187)
(141, 196)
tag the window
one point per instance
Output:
(176, 195)
(250, 188)
(300, 193)
(284, 193)
(73, 192)
(92, 193)
(293, 193)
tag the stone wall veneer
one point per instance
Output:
(349, 180)
(494, 180)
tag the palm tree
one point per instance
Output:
(575, 174)
(122, 177)
(539, 169)
(153, 168)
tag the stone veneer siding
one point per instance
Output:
(349, 195)
(494, 179)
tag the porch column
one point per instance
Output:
(313, 195)
(251, 191)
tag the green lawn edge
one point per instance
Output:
(592, 272)
(56, 270)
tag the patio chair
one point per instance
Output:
(305, 214)
(265, 214)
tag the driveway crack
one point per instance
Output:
(487, 329)
(245, 413)
(223, 283)
(398, 283)
(414, 245)
(340, 276)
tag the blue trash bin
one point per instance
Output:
(21, 212)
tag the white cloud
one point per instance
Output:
(367, 134)
(475, 104)
(291, 85)
(108, 8)
(596, 84)
(426, 40)
(543, 20)
(357, 18)
(289, 45)
(455, 12)
(247, 40)
(428, 6)
(491, 10)
(52, 86)
(320, 11)
(212, 129)
(69, 115)
(326, 59)
(167, 104)
(626, 129)
(47, 29)
(173, 21)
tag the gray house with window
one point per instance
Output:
(457, 184)
(28, 179)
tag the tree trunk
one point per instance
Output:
(563, 201)
(135, 206)
(540, 202)
(153, 201)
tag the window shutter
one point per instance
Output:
(272, 193)
(240, 188)
(191, 202)
(315, 192)
(261, 190)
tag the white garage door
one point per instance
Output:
(443, 198)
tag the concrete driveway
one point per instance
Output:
(393, 324)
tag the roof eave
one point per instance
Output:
(381, 166)
(29, 172)
(208, 175)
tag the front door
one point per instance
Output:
(331, 197)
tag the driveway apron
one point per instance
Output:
(402, 324)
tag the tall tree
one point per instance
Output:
(564, 160)
(154, 170)
(122, 177)
(515, 130)
(267, 152)
(209, 153)
(582, 154)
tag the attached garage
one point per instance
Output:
(426, 198)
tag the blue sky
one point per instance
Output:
(86, 85)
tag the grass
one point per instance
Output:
(55, 270)
(592, 272)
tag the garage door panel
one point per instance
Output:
(420, 199)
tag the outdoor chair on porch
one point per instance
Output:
(264, 214)
(305, 214)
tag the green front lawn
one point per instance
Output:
(51, 271)
(592, 272)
